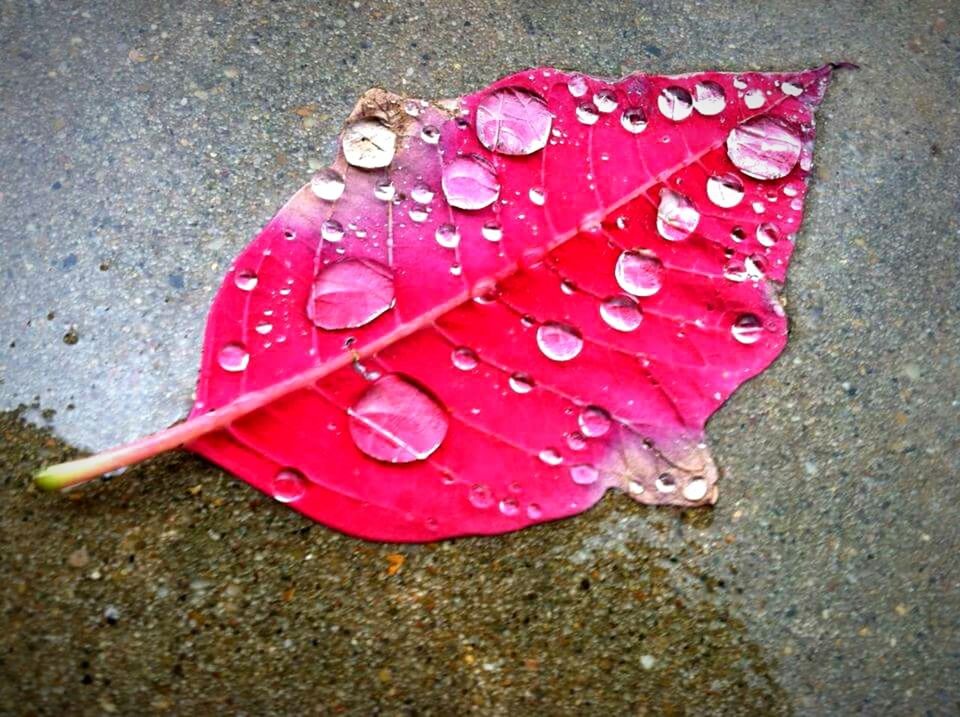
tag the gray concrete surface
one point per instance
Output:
(142, 144)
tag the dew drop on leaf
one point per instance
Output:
(621, 313)
(559, 342)
(447, 236)
(470, 182)
(430, 134)
(288, 485)
(576, 441)
(639, 273)
(397, 422)
(551, 456)
(464, 358)
(492, 231)
(384, 190)
(725, 190)
(233, 357)
(537, 196)
(675, 103)
(513, 121)
(791, 89)
(509, 506)
(665, 483)
(594, 421)
(709, 99)
(327, 184)
(421, 193)
(520, 383)
(768, 234)
(245, 280)
(480, 496)
(754, 99)
(368, 144)
(676, 216)
(587, 114)
(577, 85)
(350, 293)
(584, 474)
(634, 120)
(331, 230)
(747, 329)
(696, 489)
(534, 511)
(764, 148)
(605, 101)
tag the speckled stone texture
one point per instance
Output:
(142, 144)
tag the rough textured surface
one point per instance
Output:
(143, 145)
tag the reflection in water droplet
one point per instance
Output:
(521, 383)
(492, 231)
(233, 357)
(696, 489)
(350, 293)
(551, 456)
(768, 234)
(418, 213)
(411, 107)
(621, 312)
(331, 230)
(537, 196)
(245, 279)
(584, 474)
(464, 358)
(756, 266)
(675, 103)
(470, 182)
(738, 234)
(509, 506)
(568, 287)
(327, 184)
(288, 485)
(368, 143)
(789, 88)
(734, 270)
(754, 99)
(747, 329)
(709, 99)
(263, 328)
(634, 120)
(577, 85)
(513, 121)
(397, 422)
(385, 191)
(421, 193)
(587, 114)
(594, 421)
(764, 148)
(559, 342)
(430, 134)
(576, 441)
(447, 236)
(534, 511)
(676, 216)
(665, 483)
(725, 190)
(605, 101)
(480, 496)
(639, 273)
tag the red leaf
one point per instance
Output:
(490, 311)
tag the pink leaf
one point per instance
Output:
(490, 311)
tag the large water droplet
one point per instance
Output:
(385, 191)
(559, 342)
(676, 216)
(696, 489)
(594, 421)
(245, 279)
(397, 422)
(327, 184)
(470, 183)
(331, 230)
(621, 312)
(350, 293)
(447, 236)
(747, 329)
(577, 85)
(768, 234)
(288, 485)
(754, 99)
(605, 101)
(639, 273)
(521, 383)
(725, 190)
(464, 358)
(513, 121)
(233, 357)
(587, 114)
(634, 120)
(480, 496)
(675, 103)
(421, 193)
(584, 474)
(709, 99)
(368, 143)
(764, 148)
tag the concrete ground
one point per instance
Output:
(142, 144)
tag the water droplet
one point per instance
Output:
(534, 511)
(709, 99)
(587, 114)
(509, 506)
(397, 422)
(594, 421)
(675, 103)
(464, 358)
(456, 269)
(559, 342)
(621, 312)
(696, 489)
(577, 85)
(576, 441)
(605, 101)
(791, 89)
(421, 193)
(521, 383)
(513, 121)
(470, 182)
(734, 270)
(369, 144)
(263, 328)
(725, 190)
(739, 83)
(480, 496)
(756, 266)
(768, 234)
(350, 293)
(384, 190)
(665, 483)
(676, 216)
(764, 148)
(551, 456)
(447, 236)
(331, 230)
(492, 231)
(568, 287)
(737, 234)
(639, 273)
(747, 329)
(418, 213)
(245, 280)
(411, 107)
(430, 134)
(327, 184)
(584, 474)
(537, 196)
(288, 485)
(634, 120)
(754, 99)
(233, 357)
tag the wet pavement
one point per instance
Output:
(142, 146)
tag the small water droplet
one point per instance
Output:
(288, 485)
(509, 506)
(447, 236)
(621, 313)
(605, 101)
(734, 270)
(421, 193)
(233, 357)
(369, 144)
(520, 383)
(456, 269)
(756, 266)
(327, 184)
(639, 273)
(747, 329)
(551, 456)
(513, 121)
(418, 213)
(464, 358)
(385, 191)
(737, 234)
(492, 231)
(696, 489)
(331, 230)
(675, 103)
(725, 190)
(768, 234)
(584, 474)
(709, 99)
(534, 511)
(634, 120)
(576, 441)
(411, 107)
(676, 216)
(754, 99)
(350, 293)
(791, 89)
(245, 280)
(665, 483)
(587, 114)
(430, 134)
(480, 496)
(594, 421)
(537, 196)
(739, 83)
(470, 182)
(568, 288)
(764, 148)
(577, 85)
(263, 328)
(559, 342)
